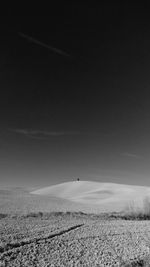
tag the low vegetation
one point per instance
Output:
(134, 212)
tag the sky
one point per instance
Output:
(75, 95)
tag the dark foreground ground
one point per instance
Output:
(72, 239)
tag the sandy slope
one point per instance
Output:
(95, 193)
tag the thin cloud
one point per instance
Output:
(130, 155)
(35, 41)
(37, 134)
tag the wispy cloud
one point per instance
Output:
(35, 41)
(38, 134)
(130, 155)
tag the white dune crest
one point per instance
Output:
(96, 193)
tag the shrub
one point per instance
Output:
(134, 212)
(2, 215)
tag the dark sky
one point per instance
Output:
(75, 95)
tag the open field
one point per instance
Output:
(72, 239)
(42, 230)
(85, 196)
(24, 203)
(105, 197)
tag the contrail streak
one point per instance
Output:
(37, 134)
(33, 40)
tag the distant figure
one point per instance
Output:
(78, 179)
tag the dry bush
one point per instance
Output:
(133, 211)
(146, 206)
(2, 215)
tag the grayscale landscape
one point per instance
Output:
(54, 226)
(75, 135)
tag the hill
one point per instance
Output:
(98, 194)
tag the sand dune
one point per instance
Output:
(96, 193)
